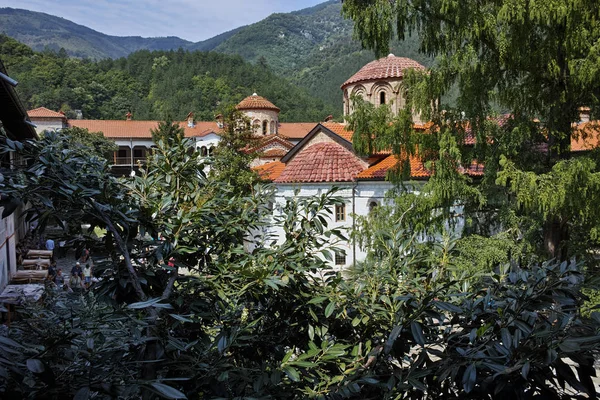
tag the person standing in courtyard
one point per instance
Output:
(76, 279)
(85, 255)
(50, 246)
(87, 275)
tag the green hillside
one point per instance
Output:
(152, 85)
(313, 48)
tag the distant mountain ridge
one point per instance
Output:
(312, 47)
(42, 31)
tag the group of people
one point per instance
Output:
(81, 276)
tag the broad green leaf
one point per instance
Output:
(329, 309)
(417, 332)
(469, 378)
(167, 392)
(292, 373)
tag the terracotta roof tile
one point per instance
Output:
(273, 153)
(273, 139)
(43, 112)
(586, 136)
(379, 170)
(475, 169)
(322, 162)
(295, 130)
(384, 68)
(270, 171)
(256, 102)
(339, 129)
(417, 169)
(118, 129)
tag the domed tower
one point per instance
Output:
(380, 82)
(263, 114)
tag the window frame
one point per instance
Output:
(382, 96)
(340, 209)
(340, 258)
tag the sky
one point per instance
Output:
(193, 20)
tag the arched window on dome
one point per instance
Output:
(265, 126)
(382, 98)
(256, 126)
(273, 128)
(203, 151)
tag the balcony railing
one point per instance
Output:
(121, 161)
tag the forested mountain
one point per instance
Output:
(314, 47)
(311, 47)
(152, 85)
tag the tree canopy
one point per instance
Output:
(534, 62)
(150, 84)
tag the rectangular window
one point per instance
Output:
(340, 212)
(340, 258)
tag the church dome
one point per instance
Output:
(385, 68)
(256, 102)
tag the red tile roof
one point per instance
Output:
(273, 139)
(43, 112)
(586, 136)
(339, 129)
(122, 129)
(384, 68)
(322, 162)
(379, 170)
(256, 102)
(270, 171)
(299, 130)
(475, 169)
(273, 153)
(295, 130)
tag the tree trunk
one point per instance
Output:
(556, 235)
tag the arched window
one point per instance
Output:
(256, 126)
(372, 205)
(265, 126)
(382, 97)
(203, 151)
(211, 150)
(273, 128)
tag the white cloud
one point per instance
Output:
(193, 20)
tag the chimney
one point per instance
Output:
(328, 118)
(129, 116)
(219, 119)
(584, 114)
(190, 120)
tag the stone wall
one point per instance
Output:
(258, 117)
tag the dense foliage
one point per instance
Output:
(530, 185)
(151, 85)
(197, 301)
